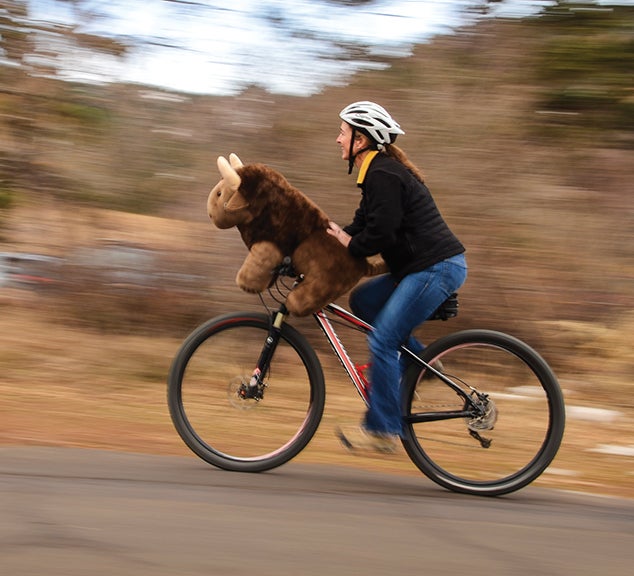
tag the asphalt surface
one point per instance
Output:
(73, 512)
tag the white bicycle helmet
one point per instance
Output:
(373, 120)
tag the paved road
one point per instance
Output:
(74, 512)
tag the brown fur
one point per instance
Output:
(277, 220)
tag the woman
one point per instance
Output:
(397, 218)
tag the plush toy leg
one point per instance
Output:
(308, 297)
(329, 272)
(376, 266)
(256, 273)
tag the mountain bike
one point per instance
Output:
(483, 412)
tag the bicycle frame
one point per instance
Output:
(355, 372)
(473, 401)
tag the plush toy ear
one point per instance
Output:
(235, 161)
(228, 173)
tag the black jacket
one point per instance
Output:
(398, 218)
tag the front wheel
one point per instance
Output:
(217, 422)
(510, 441)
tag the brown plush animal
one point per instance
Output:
(276, 220)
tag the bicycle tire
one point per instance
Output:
(233, 433)
(525, 425)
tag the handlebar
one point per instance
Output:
(279, 289)
(286, 268)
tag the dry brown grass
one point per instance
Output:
(65, 385)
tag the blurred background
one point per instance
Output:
(112, 115)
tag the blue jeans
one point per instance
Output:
(394, 309)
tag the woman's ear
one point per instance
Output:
(361, 141)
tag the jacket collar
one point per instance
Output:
(365, 165)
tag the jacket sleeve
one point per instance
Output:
(358, 222)
(382, 216)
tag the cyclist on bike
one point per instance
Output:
(397, 218)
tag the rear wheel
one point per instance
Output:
(220, 425)
(515, 436)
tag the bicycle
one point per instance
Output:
(483, 412)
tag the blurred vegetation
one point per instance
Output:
(111, 147)
(523, 127)
(585, 68)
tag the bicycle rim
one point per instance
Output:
(226, 430)
(523, 426)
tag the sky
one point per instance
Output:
(294, 47)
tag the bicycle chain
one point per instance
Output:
(448, 442)
(454, 405)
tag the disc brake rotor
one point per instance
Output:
(236, 399)
(486, 421)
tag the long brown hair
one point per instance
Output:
(395, 152)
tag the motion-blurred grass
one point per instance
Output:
(524, 131)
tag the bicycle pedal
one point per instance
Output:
(342, 438)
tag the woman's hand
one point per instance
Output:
(336, 231)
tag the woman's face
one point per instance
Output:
(345, 133)
(361, 141)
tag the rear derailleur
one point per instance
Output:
(485, 415)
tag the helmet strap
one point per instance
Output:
(351, 156)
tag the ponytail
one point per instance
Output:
(395, 152)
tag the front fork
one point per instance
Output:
(254, 390)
